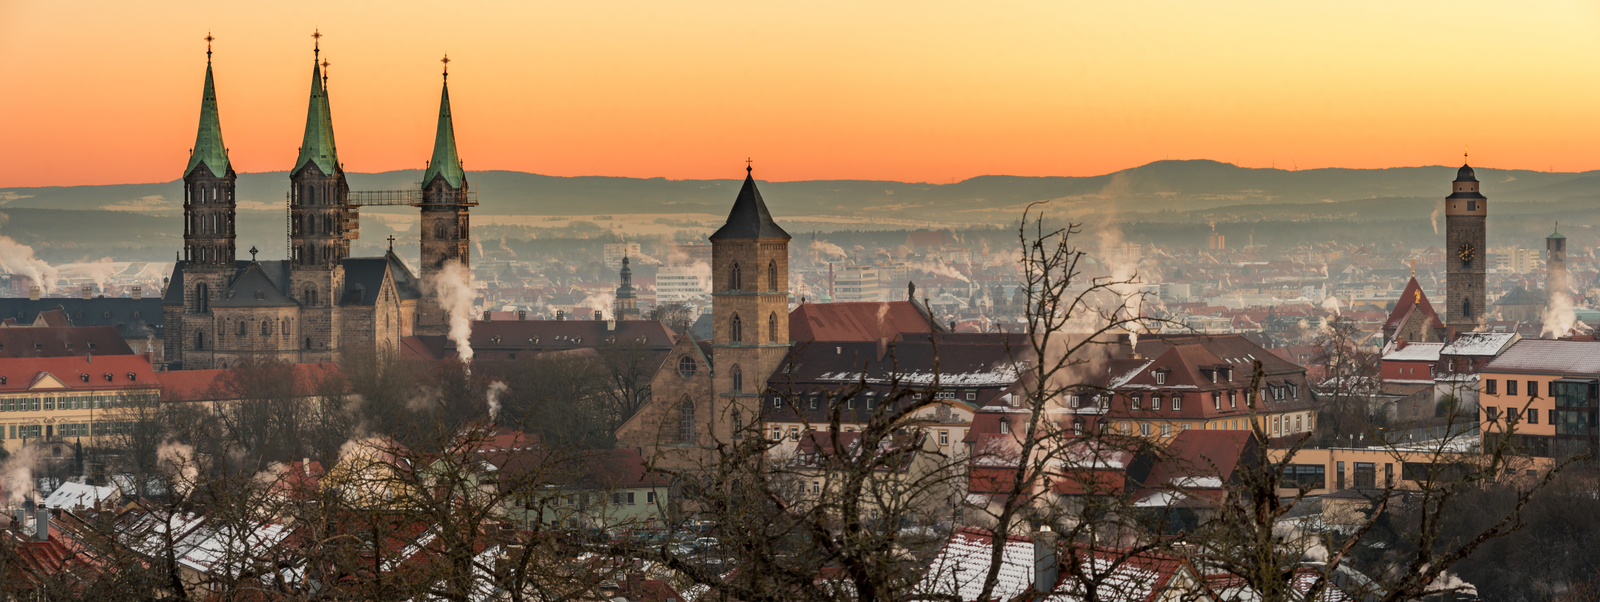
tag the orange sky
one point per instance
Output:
(108, 92)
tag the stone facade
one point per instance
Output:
(1466, 214)
(656, 430)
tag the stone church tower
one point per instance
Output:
(749, 307)
(626, 306)
(445, 225)
(1556, 279)
(319, 216)
(208, 223)
(1466, 211)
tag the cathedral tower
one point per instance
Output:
(319, 234)
(1466, 211)
(749, 307)
(445, 224)
(208, 228)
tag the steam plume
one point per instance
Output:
(1434, 217)
(496, 389)
(17, 475)
(179, 459)
(938, 269)
(824, 247)
(1559, 317)
(1331, 303)
(18, 258)
(453, 287)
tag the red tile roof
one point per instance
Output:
(210, 385)
(78, 373)
(1409, 298)
(864, 321)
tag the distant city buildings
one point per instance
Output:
(682, 283)
(614, 252)
(857, 283)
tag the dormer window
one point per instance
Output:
(1227, 373)
(1133, 401)
(1161, 377)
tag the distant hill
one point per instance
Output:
(132, 215)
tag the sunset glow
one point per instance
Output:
(108, 92)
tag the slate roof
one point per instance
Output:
(363, 279)
(980, 364)
(446, 161)
(132, 318)
(749, 217)
(1547, 356)
(1521, 296)
(252, 288)
(317, 144)
(61, 342)
(1198, 459)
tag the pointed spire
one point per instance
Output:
(446, 161)
(317, 144)
(749, 217)
(208, 147)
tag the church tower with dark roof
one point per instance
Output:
(1466, 212)
(749, 308)
(320, 224)
(626, 306)
(445, 223)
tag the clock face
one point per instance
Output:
(1466, 252)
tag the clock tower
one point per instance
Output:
(1466, 211)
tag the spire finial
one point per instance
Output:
(209, 38)
(325, 64)
(1464, 154)
(391, 243)
(316, 44)
(446, 61)
(747, 164)
(1413, 268)
(253, 253)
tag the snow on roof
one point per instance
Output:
(1480, 343)
(1546, 356)
(1119, 381)
(78, 495)
(962, 565)
(1414, 352)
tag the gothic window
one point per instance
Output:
(438, 231)
(310, 298)
(202, 298)
(738, 379)
(242, 331)
(772, 328)
(686, 421)
(284, 328)
(1466, 308)
(733, 278)
(200, 339)
(686, 366)
(266, 328)
(736, 329)
(738, 424)
(327, 224)
(772, 275)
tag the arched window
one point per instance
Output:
(686, 421)
(266, 328)
(308, 342)
(284, 329)
(202, 298)
(1466, 308)
(438, 231)
(242, 331)
(736, 329)
(310, 298)
(200, 339)
(686, 366)
(772, 275)
(738, 424)
(772, 328)
(733, 278)
(738, 379)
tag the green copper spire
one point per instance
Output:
(317, 145)
(208, 147)
(446, 160)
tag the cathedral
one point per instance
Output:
(220, 308)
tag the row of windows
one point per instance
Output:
(1513, 414)
(78, 402)
(736, 328)
(1491, 386)
(736, 277)
(79, 429)
(209, 194)
(1134, 402)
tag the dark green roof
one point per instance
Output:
(1557, 233)
(317, 146)
(446, 160)
(208, 147)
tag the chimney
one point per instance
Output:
(883, 347)
(305, 463)
(611, 324)
(20, 520)
(41, 524)
(952, 326)
(599, 315)
(830, 282)
(88, 291)
(33, 293)
(486, 315)
(138, 292)
(561, 315)
(522, 314)
(1046, 565)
